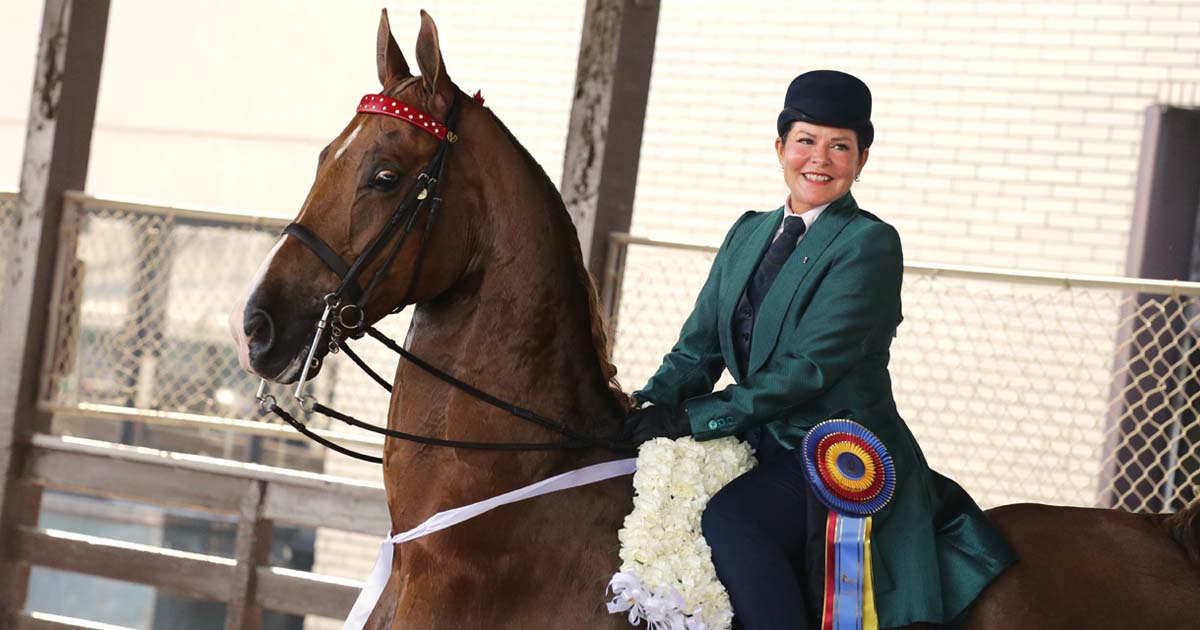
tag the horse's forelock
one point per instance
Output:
(399, 87)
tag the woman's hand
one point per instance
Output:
(647, 423)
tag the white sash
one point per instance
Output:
(383, 564)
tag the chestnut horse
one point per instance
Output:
(503, 301)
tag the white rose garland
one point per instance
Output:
(667, 576)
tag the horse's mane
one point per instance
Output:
(583, 278)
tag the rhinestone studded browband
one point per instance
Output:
(388, 106)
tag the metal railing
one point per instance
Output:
(138, 352)
(1069, 389)
(1023, 386)
(1075, 390)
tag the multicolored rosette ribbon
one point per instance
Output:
(851, 472)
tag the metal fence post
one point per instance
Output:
(1164, 243)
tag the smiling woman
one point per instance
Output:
(801, 305)
(819, 164)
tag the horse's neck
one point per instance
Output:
(519, 328)
(520, 332)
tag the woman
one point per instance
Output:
(801, 306)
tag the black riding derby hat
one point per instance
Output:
(831, 99)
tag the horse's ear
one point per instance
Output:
(429, 60)
(389, 61)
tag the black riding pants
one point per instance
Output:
(756, 529)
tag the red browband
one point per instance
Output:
(388, 106)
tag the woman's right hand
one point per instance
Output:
(652, 421)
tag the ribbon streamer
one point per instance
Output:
(849, 587)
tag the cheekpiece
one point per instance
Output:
(848, 468)
(388, 106)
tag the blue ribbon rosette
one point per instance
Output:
(852, 474)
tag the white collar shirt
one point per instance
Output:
(809, 217)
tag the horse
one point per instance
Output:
(502, 299)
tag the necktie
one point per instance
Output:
(772, 261)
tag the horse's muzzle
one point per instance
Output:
(278, 348)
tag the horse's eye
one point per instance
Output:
(385, 179)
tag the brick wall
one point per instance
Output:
(1007, 132)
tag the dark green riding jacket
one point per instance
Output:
(820, 349)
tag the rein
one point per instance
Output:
(343, 316)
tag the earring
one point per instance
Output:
(780, 168)
(857, 179)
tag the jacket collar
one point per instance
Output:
(769, 319)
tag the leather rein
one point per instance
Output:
(344, 313)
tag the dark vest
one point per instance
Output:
(743, 333)
(765, 447)
(756, 289)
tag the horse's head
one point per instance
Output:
(370, 211)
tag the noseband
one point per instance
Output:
(344, 312)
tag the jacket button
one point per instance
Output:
(712, 424)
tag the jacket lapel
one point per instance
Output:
(775, 304)
(743, 259)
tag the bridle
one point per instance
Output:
(344, 318)
(344, 308)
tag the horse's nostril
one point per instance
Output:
(260, 330)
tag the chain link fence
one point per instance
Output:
(1022, 387)
(142, 339)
